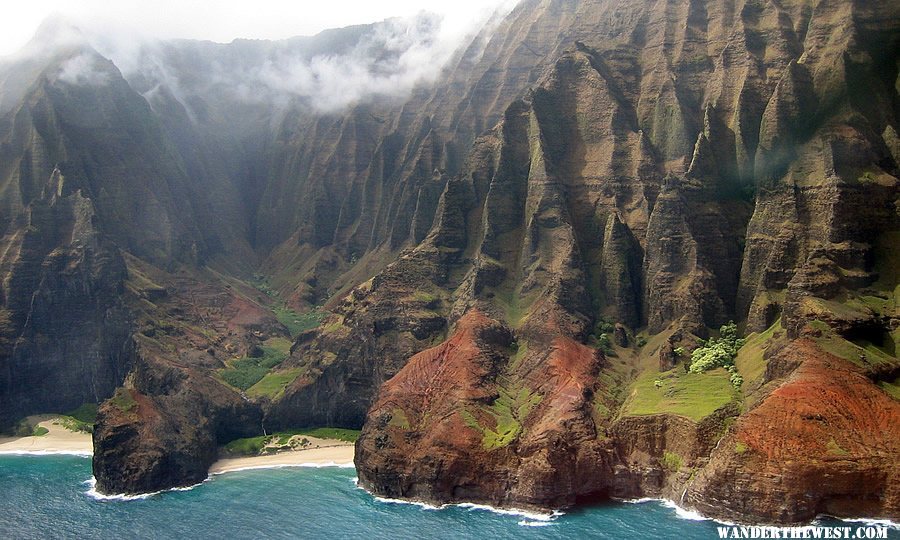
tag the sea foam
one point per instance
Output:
(680, 512)
(532, 519)
(94, 494)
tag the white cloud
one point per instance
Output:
(402, 52)
(221, 20)
(82, 70)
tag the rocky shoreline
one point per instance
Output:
(501, 278)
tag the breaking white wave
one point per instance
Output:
(531, 518)
(526, 523)
(680, 512)
(94, 494)
(420, 504)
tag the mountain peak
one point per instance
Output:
(55, 33)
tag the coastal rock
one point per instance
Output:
(163, 429)
(823, 442)
(63, 324)
(751, 220)
(579, 173)
(490, 427)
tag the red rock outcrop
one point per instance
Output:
(824, 441)
(580, 168)
(460, 422)
(599, 170)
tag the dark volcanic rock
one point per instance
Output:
(164, 427)
(64, 328)
(661, 166)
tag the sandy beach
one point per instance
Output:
(57, 440)
(335, 454)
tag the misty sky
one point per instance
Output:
(220, 20)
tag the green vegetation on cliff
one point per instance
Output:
(123, 400)
(750, 361)
(340, 434)
(246, 372)
(719, 353)
(600, 337)
(252, 446)
(73, 424)
(672, 461)
(509, 411)
(273, 383)
(248, 446)
(862, 353)
(675, 391)
(86, 413)
(81, 419)
(892, 388)
(298, 322)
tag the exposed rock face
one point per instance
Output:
(336, 390)
(63, 325)
(162, 429)
(458, 423)
(584, 177)
(645, 209)
(825, 441)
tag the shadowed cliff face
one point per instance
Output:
(61, 294)
(581, 173)
(87, 174)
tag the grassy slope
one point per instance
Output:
(892, 388)
(692, 395)
(749, 361)
(298, 322)
(246, 373)
(862, 353)
(273, 383)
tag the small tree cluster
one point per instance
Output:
(719, 352)
(605, 345)
(602, 330)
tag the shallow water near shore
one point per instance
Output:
(45, 497)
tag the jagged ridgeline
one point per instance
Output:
(517, 279)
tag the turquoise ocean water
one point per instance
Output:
(45, 497)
